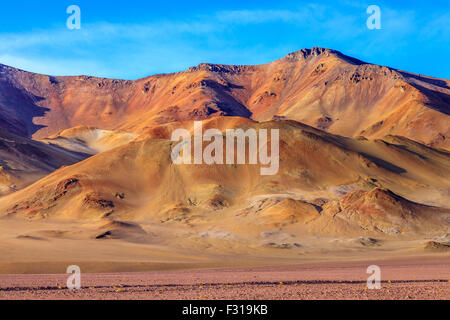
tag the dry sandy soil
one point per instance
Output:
(409, 278)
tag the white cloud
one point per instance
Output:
(51, 66)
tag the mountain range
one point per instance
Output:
(364, 161)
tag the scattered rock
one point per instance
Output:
(94, 201)
(64, 187)
(120, 196)
(369, 242)
(436, 246)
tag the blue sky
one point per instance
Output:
(133, 39)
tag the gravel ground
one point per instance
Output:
(346, 281)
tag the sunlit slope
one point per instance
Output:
(89, 140)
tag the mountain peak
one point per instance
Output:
(318, 51)
(293, 56)
(314, 51)
(220, 68)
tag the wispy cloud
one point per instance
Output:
(262, 16)
(102, 31)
